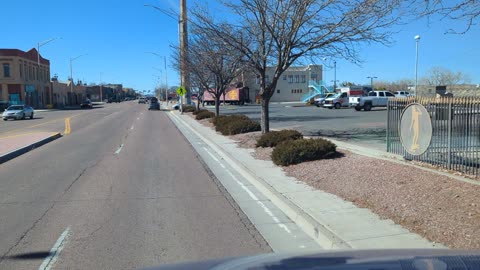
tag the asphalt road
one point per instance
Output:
(366, 128)
(123, 190)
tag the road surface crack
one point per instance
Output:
(25, 233)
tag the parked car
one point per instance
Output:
(402, 94)
(154, 106)
(18, 112)
(319, 101)
(142, 100)
(374, 99)
(86, 104)
(337, 101)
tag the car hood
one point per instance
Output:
(419, 259)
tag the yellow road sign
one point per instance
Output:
(181, 91)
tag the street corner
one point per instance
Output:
(12, 146)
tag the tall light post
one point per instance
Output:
(323, 70)
(334, 75)
(101, 90)
(40, 44)
(417, 39)
(371, 80)
(71, 73)
(166, 76)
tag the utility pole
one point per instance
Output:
(101, 90)
(184, 74)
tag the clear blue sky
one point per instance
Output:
(116, 34)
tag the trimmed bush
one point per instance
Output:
(240, 126)
(297, 151)
(223, 119)
(273, 138)
(204, 115)
(189, 108)
(199, 111)
(234, 124)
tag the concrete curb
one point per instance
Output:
(20, 151)
(313, 228)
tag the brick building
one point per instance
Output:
(25, 78)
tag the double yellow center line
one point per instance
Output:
(67, 126)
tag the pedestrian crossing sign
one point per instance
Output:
(181, 91)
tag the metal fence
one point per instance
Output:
(455, 143)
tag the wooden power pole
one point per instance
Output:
(184, 74)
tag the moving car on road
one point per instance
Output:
(142, 100)
(154, 106)
(18, 112)
(86, 104)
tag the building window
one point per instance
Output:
(290, 78)
(21, 70)
(6, 70)
(278, 91)
(284, 77)
(257, 80)
(29, 72)
(297, 78)
(304, 79)
(25, 71)
(313, 76)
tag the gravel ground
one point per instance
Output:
(439, 208)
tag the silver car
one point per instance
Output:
(18, 112)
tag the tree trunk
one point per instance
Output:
(217, 106)
(265, 124)
(198, 102)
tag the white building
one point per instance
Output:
(292, 86)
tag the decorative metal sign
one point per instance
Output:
(415, 129)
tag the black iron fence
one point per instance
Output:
(455, 143)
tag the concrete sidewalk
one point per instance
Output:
(326, 218)
(15, 145)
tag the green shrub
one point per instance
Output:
(223, 119)
(273, 138)
(204, 115)
(240, 126)
(234, 124)
(297, 151)
(189, 108)
(199, 111)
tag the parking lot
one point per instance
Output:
(365, 128)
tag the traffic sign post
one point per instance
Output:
(181, 91)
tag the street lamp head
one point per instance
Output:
(417, 37)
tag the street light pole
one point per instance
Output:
(417, 39)
(101, 90)
(40, 44)
(371, 81)
(71, 74)
(334, 75)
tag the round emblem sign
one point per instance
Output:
(415, 129)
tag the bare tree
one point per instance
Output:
(443, 76)
(212, 65)
(461, 10)
(274, 34)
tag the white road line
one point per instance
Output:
(119, 149)
(131, 128)
(138, 118)
(251, 194)
(55, 251)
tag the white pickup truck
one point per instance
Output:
(374, 99)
